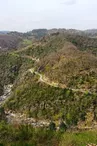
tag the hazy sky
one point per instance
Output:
(25, 15)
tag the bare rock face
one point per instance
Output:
(7, 91)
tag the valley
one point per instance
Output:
(50, 81)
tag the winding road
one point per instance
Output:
(30, 57)
(44, 79)
(20, 118)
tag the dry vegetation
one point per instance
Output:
(9, 42)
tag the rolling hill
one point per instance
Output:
(8, 42)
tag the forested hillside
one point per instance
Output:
(54, 84)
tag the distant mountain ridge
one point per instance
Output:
(4, 32)
(91, 31)
(11, 39)
(38, 33)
